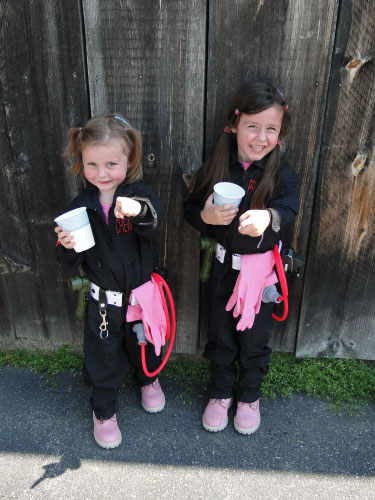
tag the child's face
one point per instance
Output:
(105, 166)
(257, 134)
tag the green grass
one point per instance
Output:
(341, 381)
(49, 363)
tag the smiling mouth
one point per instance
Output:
(257, 149)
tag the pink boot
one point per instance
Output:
(247, 419)
(106, 432)
(215, 416)
(153, 399)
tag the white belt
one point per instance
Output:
(220, 255)
(113, 298)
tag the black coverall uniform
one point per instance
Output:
(225, 344)
(122, 259)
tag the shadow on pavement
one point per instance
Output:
(298, 434)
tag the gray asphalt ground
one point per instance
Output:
(304, 449)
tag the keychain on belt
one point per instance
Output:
(103, 330)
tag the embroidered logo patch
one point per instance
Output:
(251, 187)
(123, 225)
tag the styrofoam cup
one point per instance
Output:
(77, 222)
(228, 193)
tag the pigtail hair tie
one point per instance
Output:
(227, 130)
(237, 112)
(286, 106)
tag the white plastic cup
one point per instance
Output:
(77, 223)
(228, 193)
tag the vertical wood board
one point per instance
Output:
(288, 43)
(337, 317)
(146, 60)
(44, 92)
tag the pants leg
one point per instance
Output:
(222, 348)
(226, 345)
(254, 356)
(105, 360)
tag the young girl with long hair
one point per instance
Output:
(247, 154)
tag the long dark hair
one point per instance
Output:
(250, 98)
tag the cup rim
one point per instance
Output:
(236, 187)
(70, 214)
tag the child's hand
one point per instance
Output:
(217, 215)
(65, 238)
(254, 222)
(126, 207)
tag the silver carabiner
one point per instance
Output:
(103, 325)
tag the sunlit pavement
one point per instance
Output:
(303, 449)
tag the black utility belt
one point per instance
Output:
(234, 257)
(113, 298)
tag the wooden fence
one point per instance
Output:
(170, 67)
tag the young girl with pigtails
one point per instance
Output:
(247, 154)
(125, 217)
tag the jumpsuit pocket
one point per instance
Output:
(105, 357)
(105, 360)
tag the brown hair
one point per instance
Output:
(250, 98)
(99, 130)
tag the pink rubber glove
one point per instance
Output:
(134, 313)
(256, 273)
(152, 314)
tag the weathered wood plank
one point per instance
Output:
(337, 317)
(146, 59)
(6, 318)
(288, 43)
(43, 90)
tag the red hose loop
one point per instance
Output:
(283, 283)
(160, 282)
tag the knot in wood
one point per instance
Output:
(358, 164)
(354, 65)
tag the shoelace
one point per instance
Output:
(155, 384)
(253, 405)
(223, 402)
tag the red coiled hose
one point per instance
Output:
(283, 283)
(160, 282)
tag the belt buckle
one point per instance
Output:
(236, 261)
(220, 253)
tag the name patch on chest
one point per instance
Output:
(123, 225)
(251, 187)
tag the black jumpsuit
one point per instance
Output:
(225, 344)
(122, 259)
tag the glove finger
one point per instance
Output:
(231, 302)
(246, 322)
(258, 302)
(159, 339)
(157, 348)
(148, 332)
(238, 310)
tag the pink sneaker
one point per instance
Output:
(106, 432)
(215, 416)
(153, 399)
(247, 419)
